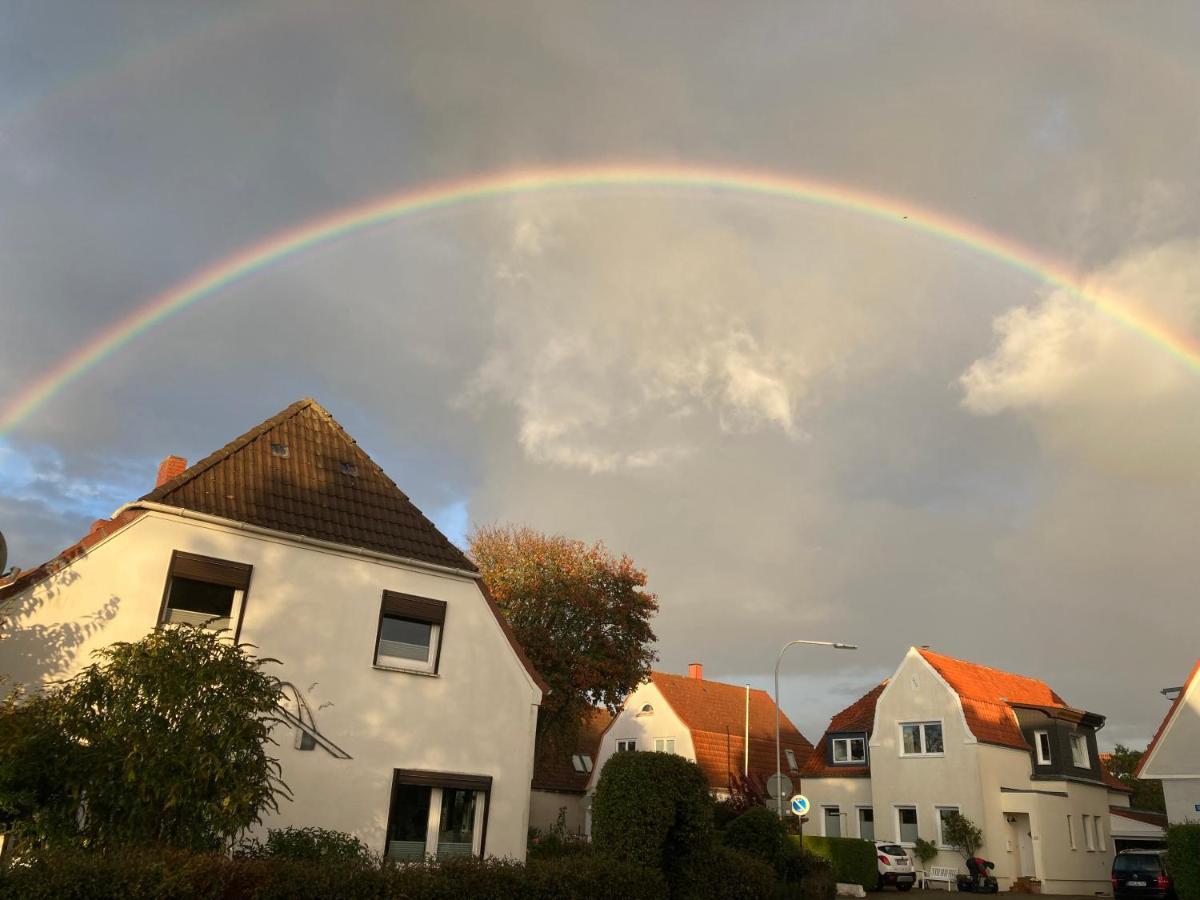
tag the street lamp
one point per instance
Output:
(836, 645)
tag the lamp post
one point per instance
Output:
(836, 645)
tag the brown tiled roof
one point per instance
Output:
(555, 771)
(325, 487)
(1162, 727)
(986, 694)
(1140, 815)
(1110, 780)
(715, 715)
(858, 716)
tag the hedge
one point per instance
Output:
(155, 874)
(1183, 859)
(723, 873)
(853, 860)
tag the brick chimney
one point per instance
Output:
(169, 468)
(696, 670)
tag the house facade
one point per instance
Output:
(707, 722)
(1174, 755)
(411, 709)
(560, 778)
(943, 735)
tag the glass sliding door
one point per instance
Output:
(436, 814)
(459, 815)
(408, 832)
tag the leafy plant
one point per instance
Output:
(1183, 858)
(1147, 794)
(312, 844)
(160, 741)
(962, 834)
(852, 859)
(925, 851)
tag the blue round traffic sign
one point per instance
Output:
(800, 805)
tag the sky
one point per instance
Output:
(801, 421)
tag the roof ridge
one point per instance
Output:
(926, 652)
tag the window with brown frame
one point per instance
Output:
(437, 814)
(409, 637)
(205, 591)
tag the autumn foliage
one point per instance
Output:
(582, 615)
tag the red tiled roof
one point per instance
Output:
(1140, 815)
(555, 771)
(986, 693)
(325, 487)
(1162, 727)
(858, 716)
(715, 714)
(1111, 780)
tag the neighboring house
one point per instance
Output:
(560, 779)
(706, 721)
(412, 708)
(1133, 828)
(1174, 755)
(943, 735)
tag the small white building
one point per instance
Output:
(708, 722)
(943, 735)
(412, 707)
(1173, 756)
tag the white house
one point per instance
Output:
(1174, 754)
(560, 778)
(707, 722)
(412, 707)
(943, 735)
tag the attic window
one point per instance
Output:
(349, 468)
(582, 763)
(646, 710)
(791, 758)
(280, 450)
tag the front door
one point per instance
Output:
(1020, 844)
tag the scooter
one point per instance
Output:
(979, 881)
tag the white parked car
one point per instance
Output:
(895, 866)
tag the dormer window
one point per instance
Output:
(582, 763)
(851, 750)
(1041, 743)
(1079, 751)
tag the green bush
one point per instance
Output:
(312, 844)
(804, 876)
(853, 860)
(759, 832)
(652, 810)
(157, 874)
(725, 874)
(1183, 859)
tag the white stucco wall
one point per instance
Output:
(848, 794)
(1183, 799)
(630, 724)
(317, 611)
(1175, 757)
(544, 808)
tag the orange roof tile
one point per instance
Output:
(715, 715)
(1162, 727)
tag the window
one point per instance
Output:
(280, 450)
(921, 739)
(1087, 832)
(944, 813)
(866, 823)
(1041, 741)
(1098, 832)
(664, 745)
(1079, 751)
(410, 633)
(627, 746)
(1071, 833)
(436, 814)
(646, 710)
(906, 824)
(791, 759)
(832, 819)
(204, 591)
(582, 763)
(849, 750)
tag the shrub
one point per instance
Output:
(652, 810)
(805, 876)
(312, 844)
(725, 874)
(963, 835)
(1183, 858)
(853, 860)
(925, 851)
(758, 832)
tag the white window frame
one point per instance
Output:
(1087, 834)
(850, 760)
(858, 811)
(896, 822)
(629, 749)
(921, 724)
(825, 807)
(937, 812)
(1042, 758)
(581, 763)
(663, 741)
(793, 766)
(427, 666)
(1071, 831)
(434, 823)
(1079, 751)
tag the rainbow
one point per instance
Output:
(293, 241)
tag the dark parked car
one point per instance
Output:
(1142, 874)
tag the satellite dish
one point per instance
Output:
(3, 553)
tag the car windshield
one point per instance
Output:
(1137, 862)
(891, 849)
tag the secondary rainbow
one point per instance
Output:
(582, 178)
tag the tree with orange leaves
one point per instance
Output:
(582, 615)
